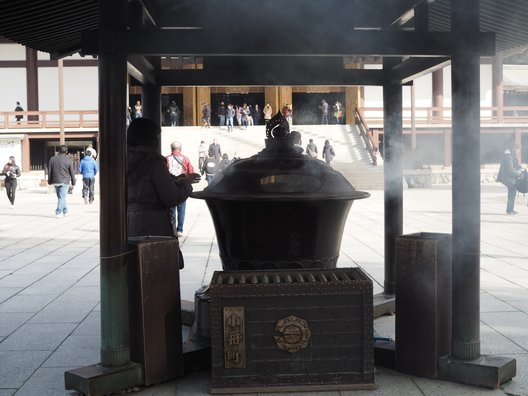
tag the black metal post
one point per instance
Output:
(465, 364)
(115, 348)
(465, 71)
(115, 372)
(393, 177)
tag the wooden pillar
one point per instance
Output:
(393, 176)
(271, 95)
(465, 77)
(353, 99)
(447, 147)
(285, 96)
(498, 87)
(32, 82)
(518, 142)
(189, 106)
(413, 117)
(25, 154)
(203, 95)
(60, 68)
(438, 93)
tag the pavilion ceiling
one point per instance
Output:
(353, 29)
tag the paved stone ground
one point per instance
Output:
(49, 287)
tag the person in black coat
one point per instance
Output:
(11, 172)
(60, 175)
(151, 189)
(509, 173)
(19, 108)
(215, 150)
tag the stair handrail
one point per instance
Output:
(367, 135)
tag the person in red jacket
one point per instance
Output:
(178, 164)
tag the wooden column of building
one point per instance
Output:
(26, 164)
(203, 95)
(189, 106)
(498, 87)
(393, 176)
(448, 151)
(353, 95)
(32, 82)
(438, 93)
(285, 96)
(271, 95)
(353, 99)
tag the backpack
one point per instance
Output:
(522, 183)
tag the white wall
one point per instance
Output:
(10, 146)
(13, 88)
(80, 88)
(12, 52)
(80, 83)
(424, 91)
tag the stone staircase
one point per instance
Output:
(351, 159)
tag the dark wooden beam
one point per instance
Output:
(345, 43)
(141, 69)
(413, 68)
(149, 12)
(269, 77)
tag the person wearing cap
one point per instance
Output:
(509, 173)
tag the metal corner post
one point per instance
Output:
(465, 364)
(115, 371)
(393, 178)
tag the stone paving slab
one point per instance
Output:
(18, 366)
(64, 254)
(37, 337)
(10, 321)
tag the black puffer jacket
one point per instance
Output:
(509, 171)
(152, 190)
